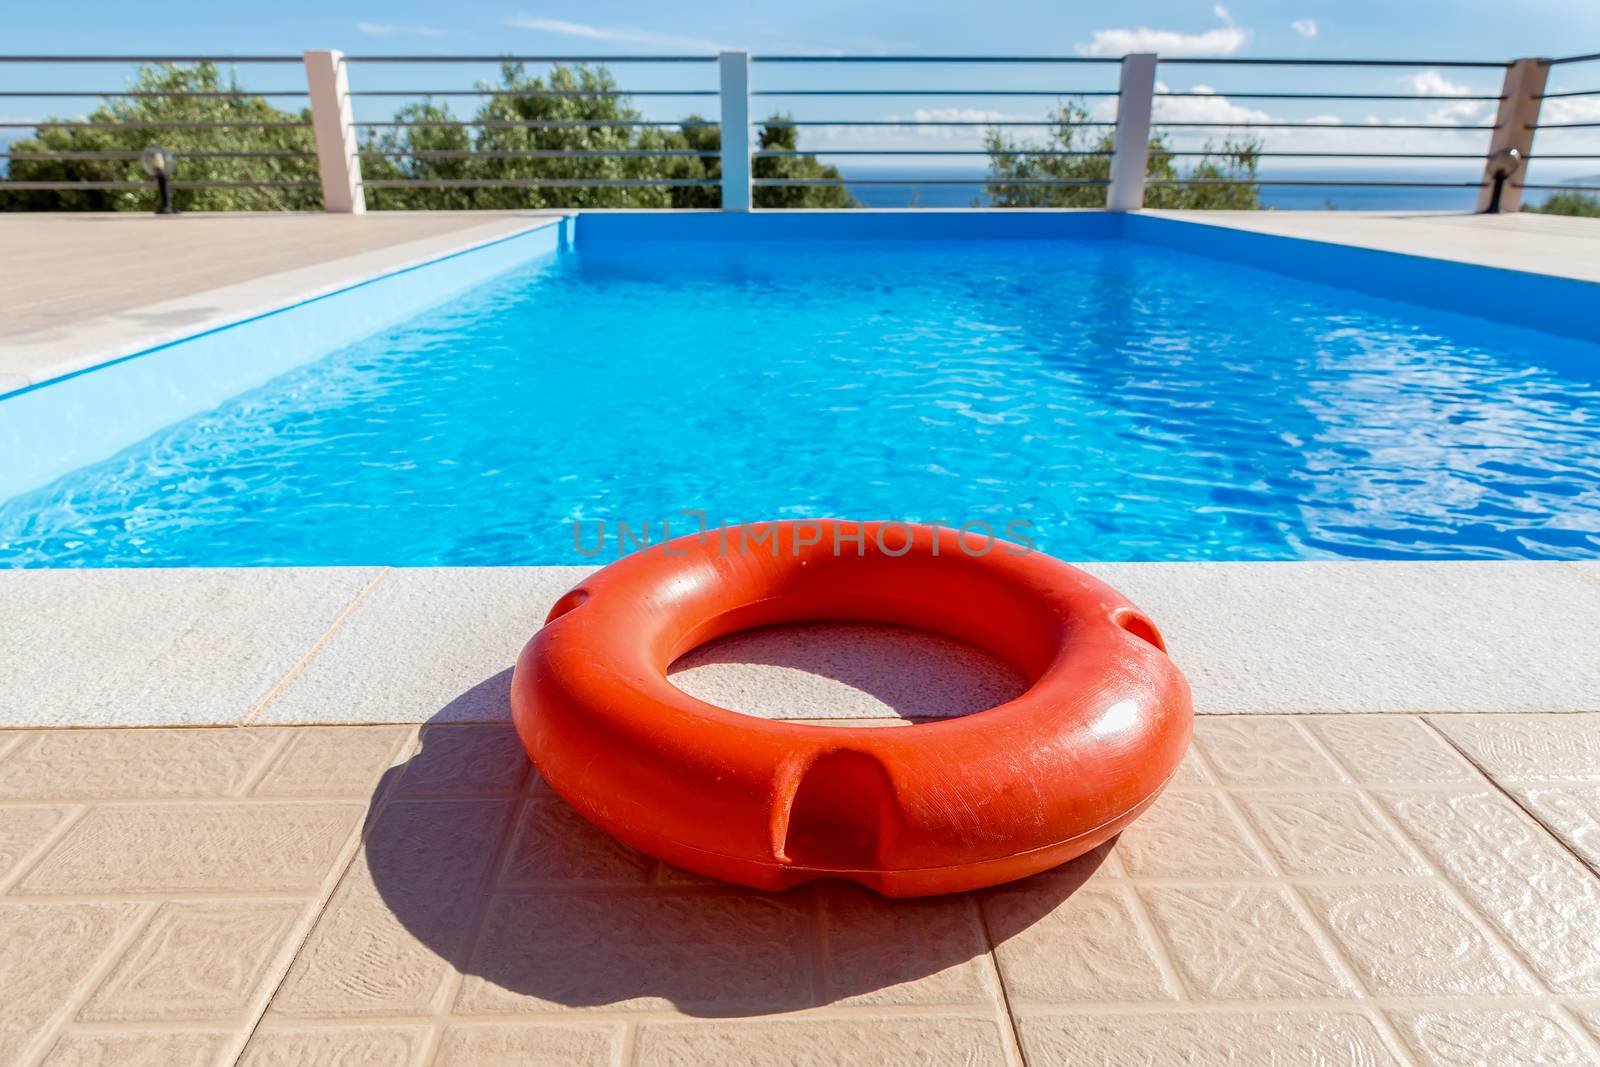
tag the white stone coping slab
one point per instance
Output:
(32, 358)
(1559, 246)
(372, 645)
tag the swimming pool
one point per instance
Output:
(1104, 395)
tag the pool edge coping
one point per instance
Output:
(246, 301)
(264, 646)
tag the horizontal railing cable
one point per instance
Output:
(919, 122)
(1315, 183)
(553, 183)
(553, 153)
(1235, 61)
(535, 124)
(1250, 124)
(801, 182)
(937, 59)
(98, 186)
(934, 92)
(145, 94)
(1196, 152)
(531, 59)
(153, 59)
(1222, 94)
(155, 124)
(537, 94)
(130, 156)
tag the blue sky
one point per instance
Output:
(1475, 28)
(1465, 29)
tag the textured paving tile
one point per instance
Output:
(1188, 833)
(1541, 898)
(529, 1046)
(332, 762)
(1534, 747)
(170, 647)
(714, 952)
(1570, 811)
(143, 1048)
(1588, 1013)
(1262, 751)
(23, 829)
(48, 953)
(1389, 636)
(1343, 889)
(1488, 1037)
(402, 912)
(1390, 749)
(878, 951)
(1327, 832)
(1081, 948)
(432, 643)
(105, 764)
(937, 1041)
(134, 849)
(200, 960)
(1204, 1040)
(335, 1046)
(465, 761)
(1413, 941)
(553, 845)
(1241, 943)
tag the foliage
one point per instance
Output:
(456, 165)
(1572, 203)
(1013, 163)
(775, 137)
(231, 104)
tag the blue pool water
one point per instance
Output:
(1109, 400)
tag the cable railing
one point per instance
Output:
(205, 121)
(1129, 142)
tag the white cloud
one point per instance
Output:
(1462, 113)
(1223, 41)
(614, 35)
(1304, 27)
(1431, 83)
(1222, 13)
(1209, 106)
(392, 29)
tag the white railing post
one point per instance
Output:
(1520, 96)
(334, 126)
(1130, 156)
(735, 122)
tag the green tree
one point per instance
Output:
(493, 148)
(776, 137)
(1569, 203)
(107, 150)
(1221, 178)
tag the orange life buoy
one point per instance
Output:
(934, 807)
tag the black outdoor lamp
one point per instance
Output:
(1503, 164)
(159, 163)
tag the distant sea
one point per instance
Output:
(1282, 197)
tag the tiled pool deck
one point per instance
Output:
(277, 816)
